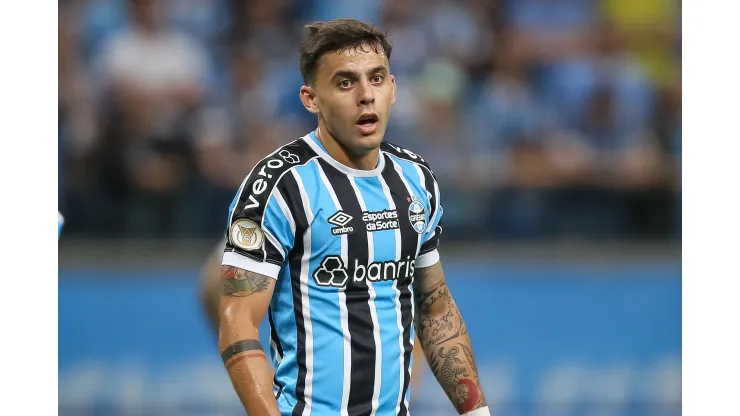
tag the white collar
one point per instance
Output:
(313, 141)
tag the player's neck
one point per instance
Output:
(368, 161)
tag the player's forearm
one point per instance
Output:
(446, 344)
(251, 376)
(245, 297)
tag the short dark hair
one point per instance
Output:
(337, 35)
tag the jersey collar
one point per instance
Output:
(319, 148)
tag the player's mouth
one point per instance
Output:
(367, 123)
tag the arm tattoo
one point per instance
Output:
(458, 376)
(443, 335)
(439, 319)
(241, 350)
(239, 282)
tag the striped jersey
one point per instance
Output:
(343, 245)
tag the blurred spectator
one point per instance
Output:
(155, 79)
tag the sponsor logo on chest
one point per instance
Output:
(380, 220)
(386, 219)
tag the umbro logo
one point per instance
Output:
(340, 219)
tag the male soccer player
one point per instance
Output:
(334, 237)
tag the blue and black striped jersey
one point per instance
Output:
(343, 245)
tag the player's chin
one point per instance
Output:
(368, 142)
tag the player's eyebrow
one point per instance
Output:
(340, 73)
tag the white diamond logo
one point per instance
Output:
(340, 219)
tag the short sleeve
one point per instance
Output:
(428, 254)
(260, 228)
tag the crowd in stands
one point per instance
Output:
(541, 118)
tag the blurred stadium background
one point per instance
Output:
(554, 127)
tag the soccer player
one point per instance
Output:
(334, 237)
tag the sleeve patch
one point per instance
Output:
(246, 235)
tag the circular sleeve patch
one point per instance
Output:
(246, 235)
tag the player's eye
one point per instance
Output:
(345, 84)
(377, 79)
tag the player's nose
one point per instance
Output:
(365, 93)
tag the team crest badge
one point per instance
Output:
(417, 215)
(246, 235)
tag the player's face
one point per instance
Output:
(354, 91)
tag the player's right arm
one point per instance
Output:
(245, 297)
(261, 230)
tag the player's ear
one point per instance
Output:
(393, 89)
(308, 98)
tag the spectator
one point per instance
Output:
(155, 79)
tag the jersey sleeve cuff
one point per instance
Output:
(243, 262)
(427, 259)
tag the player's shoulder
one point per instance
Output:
(281, 160)
(404, 154)
(295, 153)
(268, 172)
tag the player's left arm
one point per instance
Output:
(444, 339)
(439, 326)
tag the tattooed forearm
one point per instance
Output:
(446, 344)
(438, 317)
(239, 282)
(457, 375)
